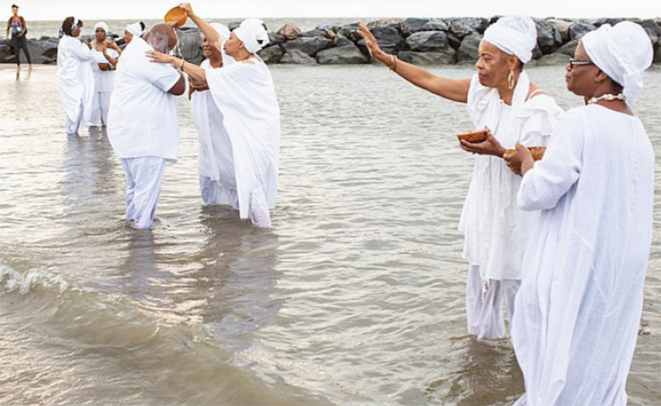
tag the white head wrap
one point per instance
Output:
(253, 35)
(135, 29)
(224, 33)
(75, 23)
(102, 25)
(623, 52)
(514, 35)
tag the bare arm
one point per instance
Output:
(451, 89)
(179, 88)
(196, 73)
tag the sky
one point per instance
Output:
(155, 9)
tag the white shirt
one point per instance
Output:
(143, 116)
(104, 81)
(74, 77)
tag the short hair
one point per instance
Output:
(14, 6)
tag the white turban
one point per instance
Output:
(224, 33)
(253, 35)
(514, 35)
(102, 25)
(75, 23)
(623, 52)
(135, 29)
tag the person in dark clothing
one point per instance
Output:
(19, 29)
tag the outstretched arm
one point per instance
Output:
(451, 89)
(198, 74)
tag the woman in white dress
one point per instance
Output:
(106, 54)
(579, 306)
(502, 98)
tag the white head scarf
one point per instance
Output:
(224, 33)
(253, 35)
(514, 35)
(623, 52)
(102, 25)
(75, 23)
(135, 29)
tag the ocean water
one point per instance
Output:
(355, 297)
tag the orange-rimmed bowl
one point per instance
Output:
(473, 137)
(537, 152)
(177, 16)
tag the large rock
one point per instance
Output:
(653, 30)
(562, 26)
(297, 57)
(341, 41)
(350, 31)
(477, 24)
(310, 45)
(429, 58)
(389, 39)
(190, 45)
(426, 41)
(578, 29)
(412, 25)
(553, 59)
(335, 27)
(469, 49)
(342, 55)
(314, 33)
(43, 51)
(290, 31)
(460, 30)
(383, 22)
(275, 38)
(548, 37)
(272, 54)
(569, 48)
(657, 53)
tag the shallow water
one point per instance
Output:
(355, 297)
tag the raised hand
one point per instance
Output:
(370, 41)
(188, 8)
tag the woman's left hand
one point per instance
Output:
(489, 147)
(516, 159)
(159, 57)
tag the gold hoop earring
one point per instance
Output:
(511, 80)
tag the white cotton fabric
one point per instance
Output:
(224, 33)
(75, 78)
(143, 115)
(495, 230)
(104, 83)
(623, 52)
(253, 35)
(245, 96)
(102, 25)
(579, 306)
(135, 29)
(143, 186)
(514, 35)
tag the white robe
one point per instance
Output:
(245, 96)
(104, 83)
(495, 230)
(75, 78)
(579, 306)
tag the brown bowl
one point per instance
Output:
(474, 137)
(177, 16)
(537, 152)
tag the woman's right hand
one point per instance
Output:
(187, 8)
(370, 41)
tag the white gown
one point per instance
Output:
(245, 96)
(75, 81)
(495, 230)
(104, 83)
(578, 309)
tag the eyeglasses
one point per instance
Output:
(573, 62)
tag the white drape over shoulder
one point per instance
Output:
(245, 95)
(579, 305)
(75, 78)
(495, 229)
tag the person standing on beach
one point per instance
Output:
(19, 30)
(143, 127)
(246, 177)
(579, 307)
(501, 97)
(133, 30)
(74, 75)
(106, 54)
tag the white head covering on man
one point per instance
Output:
(623, 52)
(253, 34)
(514, 35)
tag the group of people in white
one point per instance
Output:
(562, 243)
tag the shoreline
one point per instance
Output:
(421, 41)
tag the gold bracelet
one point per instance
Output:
(181, 67)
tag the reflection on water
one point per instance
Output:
(356, 297)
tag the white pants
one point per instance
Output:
(100, 107)
(214, 193)
(484, 310)
(143, 177)
(72, 126)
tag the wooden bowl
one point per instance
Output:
(537, 152)
(177, 16)
(474, 137)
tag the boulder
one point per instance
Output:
(657, 53)
(460, 30)
(272, 54)
(477, 24)
(553, 59)
(190, 45)
(569, 48)
(453, 41)
(330, 34)
(383, 22)
(314, 33)
(275, 38)
(578, 29)
(426, 41)
(468, 51)
(342, 55)
(309, 45)
(341, 41)
(290, 31)
(389, 39)
(412, 25)
(653, 30)
(335, 27)
(350, 31)
(429, 58)
(297, 57)
(548, 37)
(562, 26)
